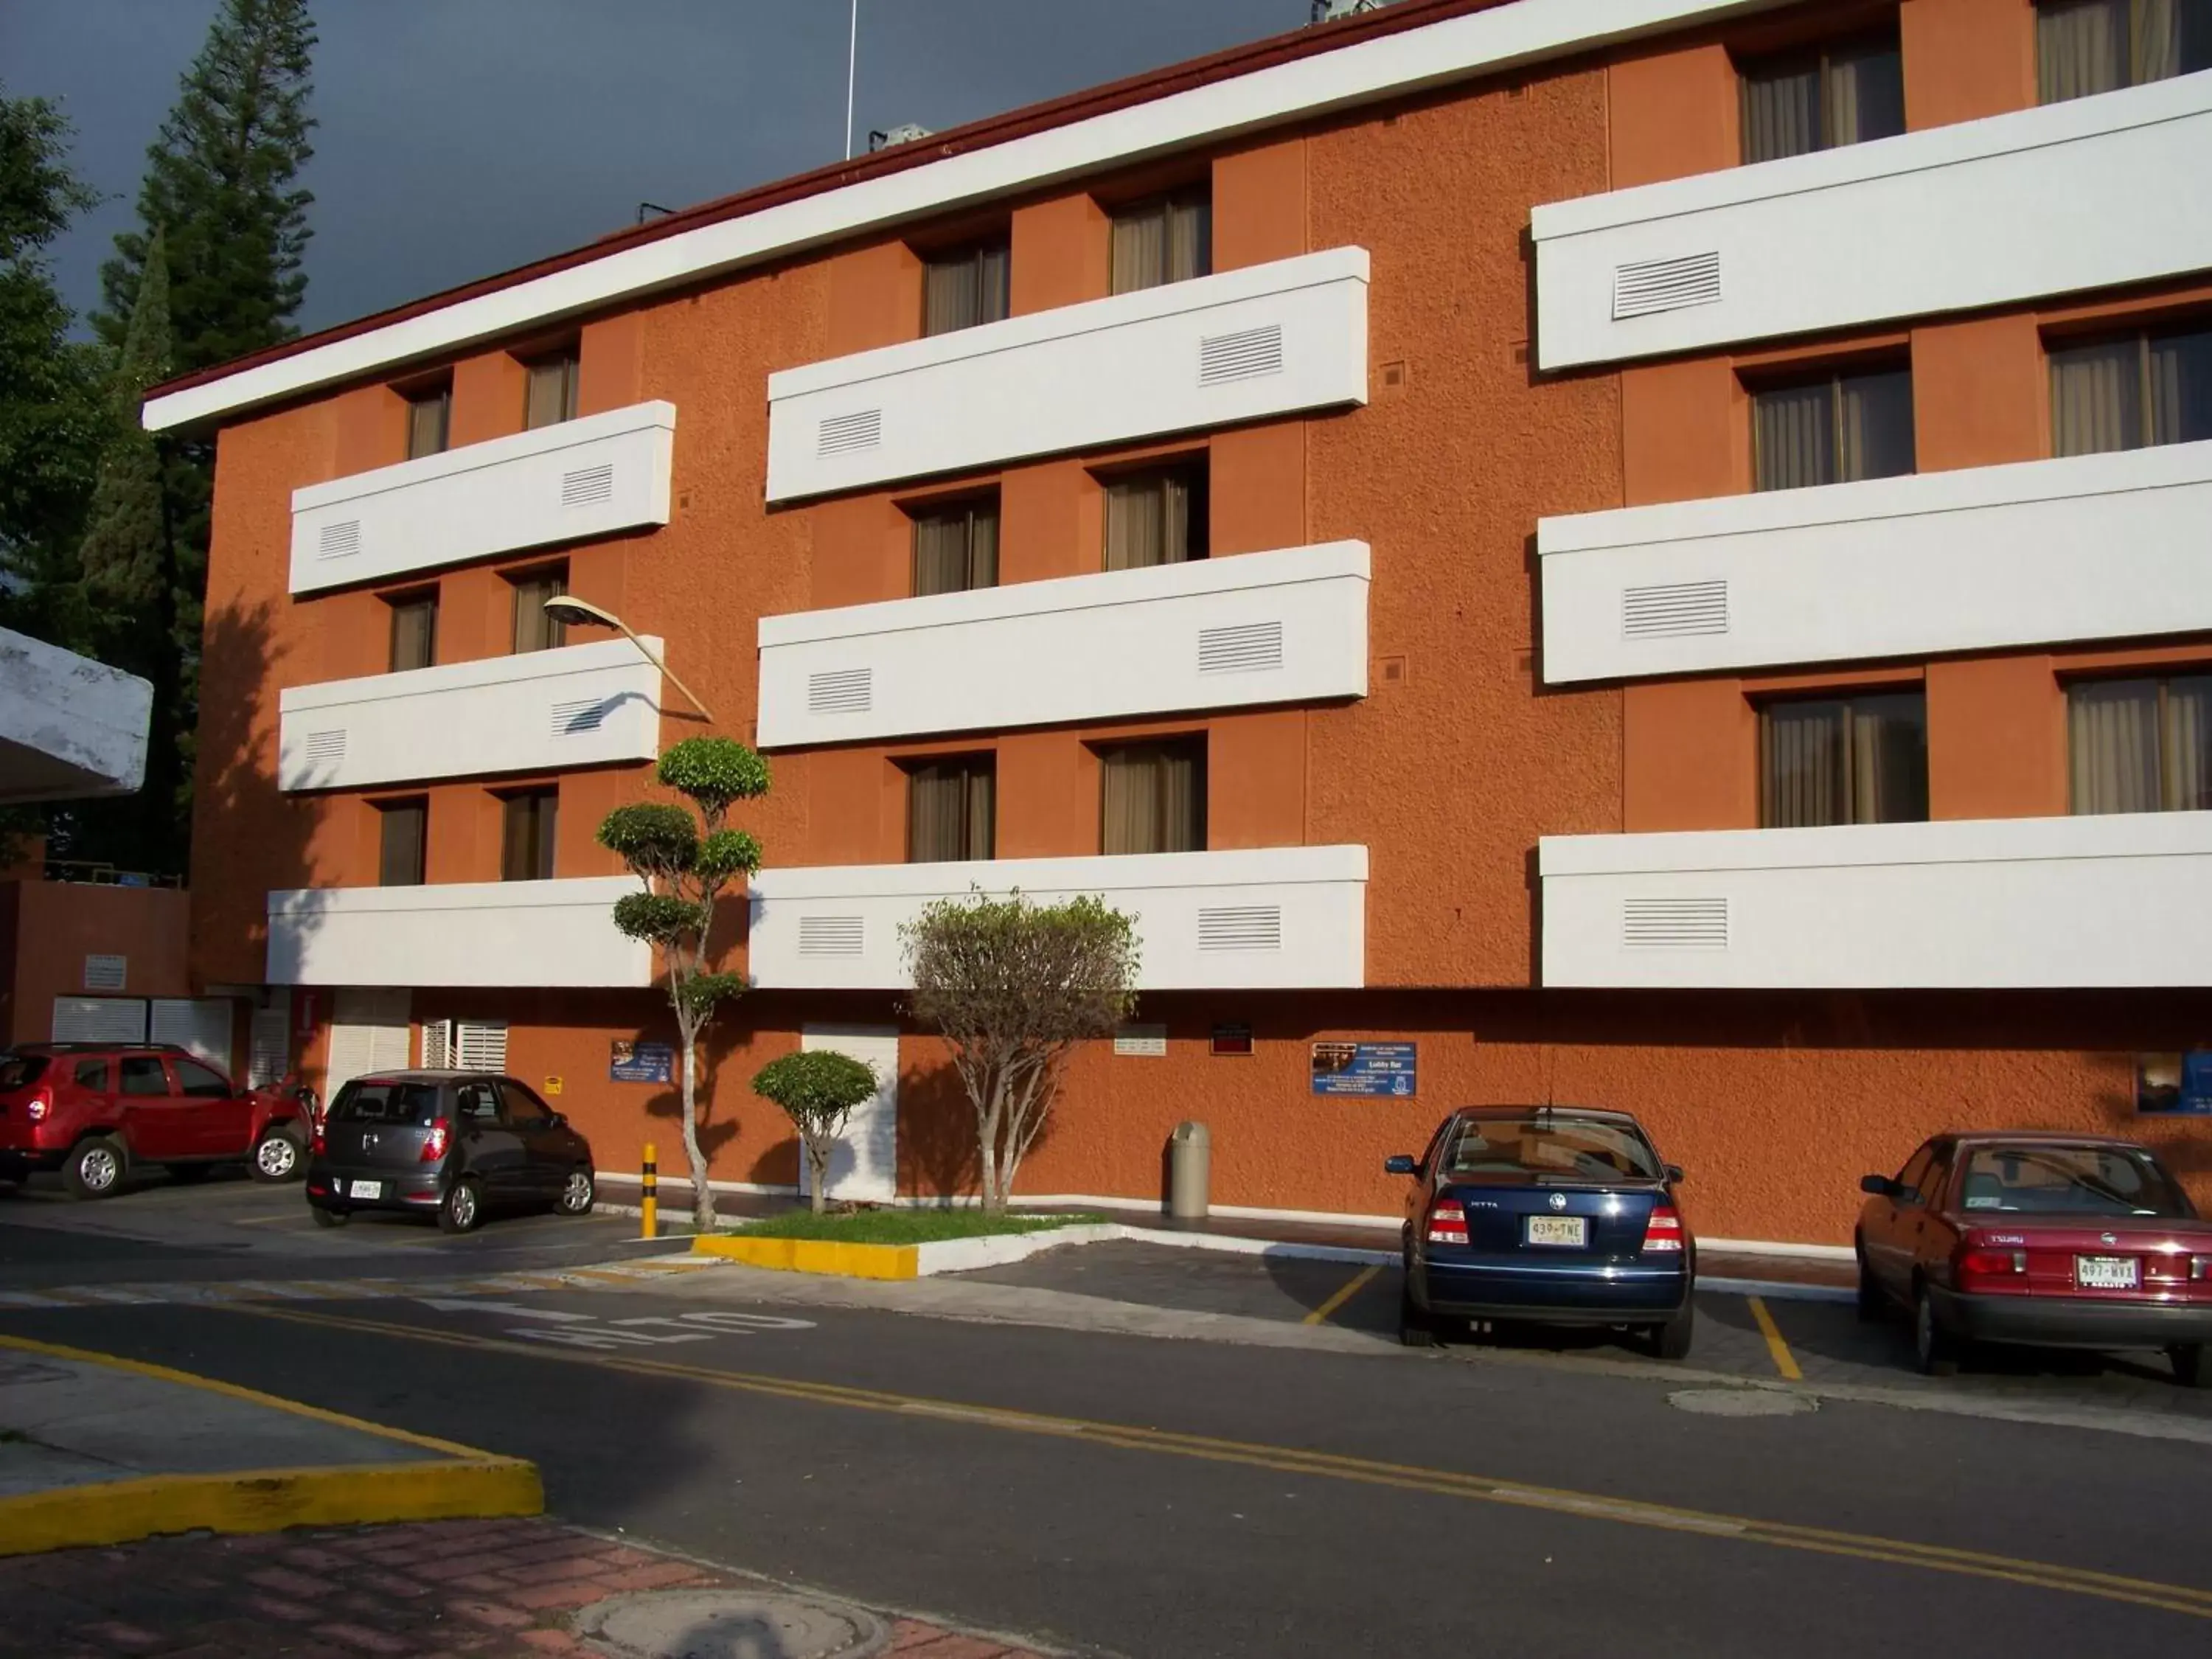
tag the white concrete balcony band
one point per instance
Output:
(1227, 633)
(2090, 547)
(1272, 339)
(538, 711)
(2059, 199)
(70, 728)
(463, 933)
(1964, 904)
(1271, 918)
(595, 476)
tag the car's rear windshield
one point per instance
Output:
(386, 1103)
(1550, 1147)
(21, 1071)
(2068, 1181)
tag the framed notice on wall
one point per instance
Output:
(640, 1062)
(2174, 1085)
(1371, 1070)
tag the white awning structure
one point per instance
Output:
(70, 728)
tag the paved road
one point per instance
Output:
(1136, 1496)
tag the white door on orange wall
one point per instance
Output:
(865, 1166)
(369, 1032)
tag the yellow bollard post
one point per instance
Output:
(649, 1225)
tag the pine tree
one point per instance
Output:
(125, 555)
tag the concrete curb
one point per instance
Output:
(461, 1483)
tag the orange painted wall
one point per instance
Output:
(47, 928)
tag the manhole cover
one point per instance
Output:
(1740, 1403)
(707, 1624)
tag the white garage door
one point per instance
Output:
(99, 1019)
(368, 1033)
(865, 1165)
(200, 1024)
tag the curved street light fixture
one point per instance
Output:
(564, 607)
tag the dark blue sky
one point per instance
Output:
(460, 137)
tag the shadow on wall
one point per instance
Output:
(937, 1153)
(718, 1124)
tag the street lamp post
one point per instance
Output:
(564, 607)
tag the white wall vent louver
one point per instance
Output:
(1645, 286)
(326, 748)
(1673, 610)
(587, 486)
(437, 1044)
(1241, 928)
(479, 1045)
(105, 973)
(1240, 648)
(841, 692)
(1246, 355)
(1674, 924)
(831, 936)
(584, 715)
(844, 435)
(338, 541)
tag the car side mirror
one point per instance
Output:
(1673, 1175)
(1877, 1186)
(560, 1120)
(1401, 1164)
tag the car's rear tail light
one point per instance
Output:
(38, 1106)
(433, 1144)
(1663, 1232)
(1991, 1264)
(1447, 1222)
(2200, 1267)
(315, 1141)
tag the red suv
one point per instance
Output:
(93, 1109)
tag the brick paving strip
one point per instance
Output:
(501, 1589)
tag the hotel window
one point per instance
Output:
(1844, 94)
(963, 289)
(951, 809)
(1169, 239)
(533, 630)
(2085, 47)
(403, 833)
(956, 547)
(526, 845)
(2126, 393)
(1153, 798)
(550, 396)
(1835, 430)
(429, 419)
(1844, 760)
(1156, 515)
(2140, 746)
(414, 629)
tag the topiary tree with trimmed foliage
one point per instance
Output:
(817, 1089)
(686, 863)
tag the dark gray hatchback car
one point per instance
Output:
(456, 1145)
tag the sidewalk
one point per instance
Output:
(95, 1449)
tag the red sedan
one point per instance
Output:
(2052, 1240)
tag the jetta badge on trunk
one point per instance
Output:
(1559, 1201)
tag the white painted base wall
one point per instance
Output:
(1966, 904)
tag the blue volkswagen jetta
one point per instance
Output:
(1560, 1215)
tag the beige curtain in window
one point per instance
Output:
(1888, 744)
(1793, 436)
(2112, 746)
(951, 811)
(1140, 242)
(400, 861)
(533, 630)
(2080, 47)
(1131, 818)
(526, 851)
(1182, 798)
(1189, 238)
(1864, 95)
(964, 290)
(2155, 52)
(1153, 519)
(2096, 398)
(427, 423)
(551, 397)
(1801, 778)
(2180, 370)
(414, 634)
(2188, 745)
(1875, 425)
(1781, 112)
(956, 550)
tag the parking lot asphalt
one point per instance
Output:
(1819, 1342)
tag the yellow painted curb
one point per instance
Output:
(815, 1255)
(460, 1483)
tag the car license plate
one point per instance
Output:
(2107, 1273)
(365, 1189)
(1571, 1230)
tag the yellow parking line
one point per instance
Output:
(1320, 1316)
(1784, 1361)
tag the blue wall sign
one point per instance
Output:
(1368, 1069)
(642, 1063)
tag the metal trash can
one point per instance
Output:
(1190, 1168)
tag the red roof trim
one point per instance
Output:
(977, 135)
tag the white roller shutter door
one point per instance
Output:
(99, 1019)
(201, 1025)
(369, 1032)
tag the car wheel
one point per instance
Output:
(328, 1217)
(576, 1197)
(1415, 1328)
(461, 1210)
(186, 1175)
(1871, 1307)
(1935, 1348)
(1672, 1339)
(2192, 1364)
(95, 1168)
(276, 1156)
